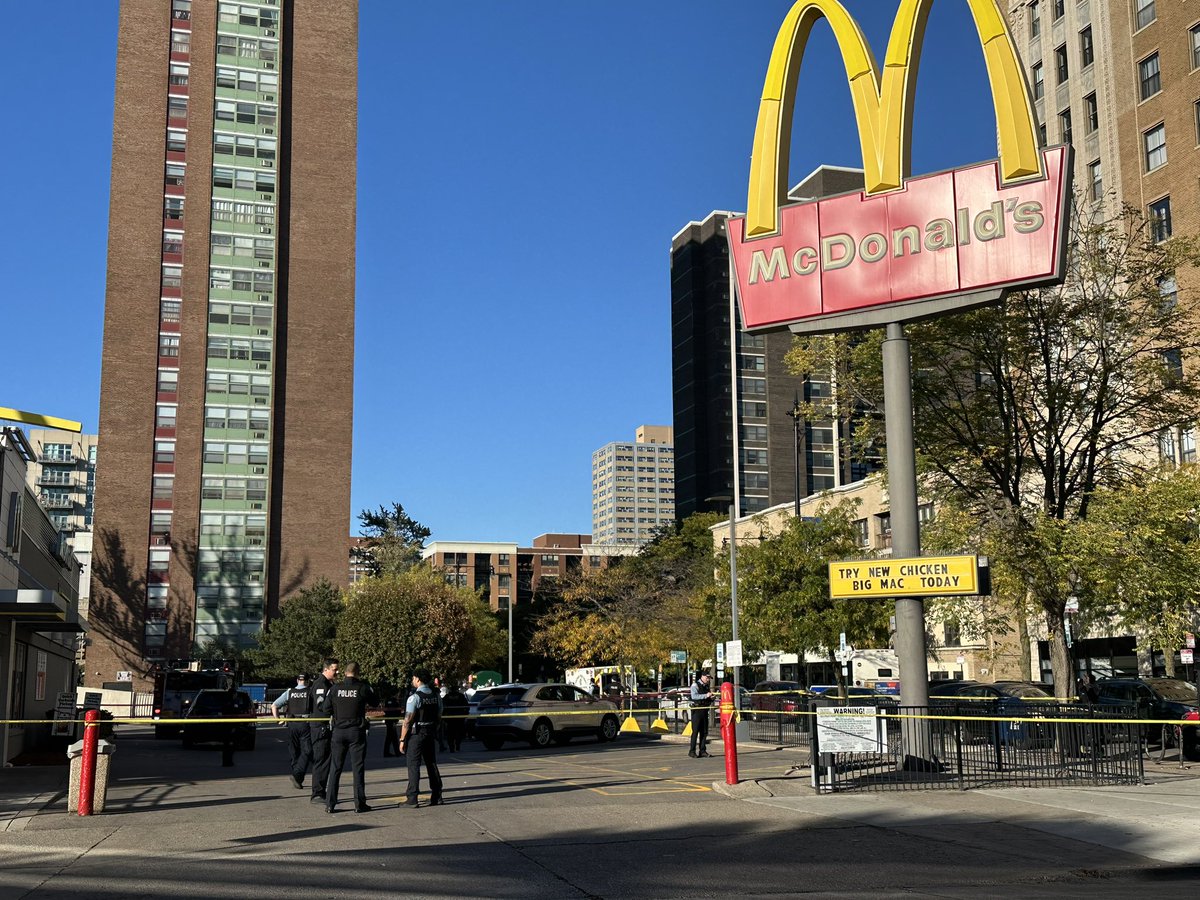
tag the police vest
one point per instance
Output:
(349, 704)
(704, 701)
(322, 687)
(427, 712)
(297, 702)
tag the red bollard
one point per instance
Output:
(729, 733)
(87, 764)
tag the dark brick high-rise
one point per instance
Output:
(223, 483)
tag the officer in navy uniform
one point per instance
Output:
(418, 739)
(347, 704)
(319, 725)
(701, 706)
(294, 705)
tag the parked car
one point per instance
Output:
(853, 693)
(214, 703)
(473, 701)
(1002, 698)
(1157, 698)
(675, 704)
(543, 714)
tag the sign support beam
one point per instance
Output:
(906, 538)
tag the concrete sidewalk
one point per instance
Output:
(27, 790)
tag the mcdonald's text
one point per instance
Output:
(939, 235)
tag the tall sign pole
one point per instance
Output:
(906, 535)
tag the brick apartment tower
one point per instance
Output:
(226, 392)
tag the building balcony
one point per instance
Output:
(56, 501)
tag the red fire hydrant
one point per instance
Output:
(87, 763)
(729, 733)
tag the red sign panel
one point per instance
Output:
(954, 233)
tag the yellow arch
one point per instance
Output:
(882, 106)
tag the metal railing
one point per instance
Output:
(989, 745)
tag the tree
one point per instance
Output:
(640, 608)
(491, 642)
(392, 540)
(302, 636)
(783, 589)
(1141, 548)
(1022, 412)
(394, 624)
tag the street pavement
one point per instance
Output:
(636, 818)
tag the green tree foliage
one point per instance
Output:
(392, 540)
(1140, 548)
(783, 589)
(1023, 412)
(303, 634)
(394, 624)
(640, 608)
(491, 641)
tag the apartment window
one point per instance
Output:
(1087, 50)
(1035, 19)
(753, 386)
(1196, 116)
(550, 559)
(1042, 133)
(172, 276)
(178, 75)
(1143, 13)
(862, 535)
(1092, 111)
(1149, 76)
(1187, 442)
(1095, 181)
(163, 487)
(168, 345)
(1194, 37)
(1060, 64)
(1155, 143)
(177, 108)
(159, 559)
(1166, 445)
(168, 381)
(174, 174)
(1059, 9)
(1168, 290)
(176, 141)
(1064, 125)
(165, 415)
(172, 242)
(756, 433)
(164, 452)
(181, 41)
(1160, 220)
(1039, 82)
(173, 208)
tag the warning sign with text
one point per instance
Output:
(922, 576)
(848, 729)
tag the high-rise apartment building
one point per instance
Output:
(777, 455)
(1120, 81)
(633, 488)
(226, 394)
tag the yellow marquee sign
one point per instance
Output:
(921, 576)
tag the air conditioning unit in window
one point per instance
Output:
(264, 331)
(270, 98)
(256, 506)
(260, 435)
(267, 163)
(262, 366)
(264, 298)
(265, 229)
(264, 264)
(262, 401)
(269, 32)
(258, 470)
(268, 130)
(266, 196)
(269, 65)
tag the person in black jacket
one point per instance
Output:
(319, 733)
(454, 713)
(347, 703)
(422, 714)
(701, 706)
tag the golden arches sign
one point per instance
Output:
(882, 101)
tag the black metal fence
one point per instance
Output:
(977, 745)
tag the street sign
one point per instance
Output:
(844, 653)
(1186, 656)
(678, 656)
(64, 714)
(733, 654)
(920, 576)
(1072, 605)
(1189, 640)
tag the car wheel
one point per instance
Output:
(543, 733)
(609, 728)
(492, 743)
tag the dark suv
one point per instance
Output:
(1157, 698)
(219, 704)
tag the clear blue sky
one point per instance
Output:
(522, 168)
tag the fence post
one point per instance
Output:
(87, 763)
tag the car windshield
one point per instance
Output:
(503, 696)
(1173, 689)
(207, 705)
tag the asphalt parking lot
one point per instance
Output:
(635, 818)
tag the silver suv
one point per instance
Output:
(542, 714)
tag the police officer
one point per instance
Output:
(319, 728)
(347, 704)
(418, 739)
(293, 705)
(701, 704)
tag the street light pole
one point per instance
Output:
(733, 605)
(510, 640)
(796, 415)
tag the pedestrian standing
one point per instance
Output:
(393, 709)
(418, 739)
(346, 704)
(292, 704)
(454, 713)
(319, 728)
(701, 706)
